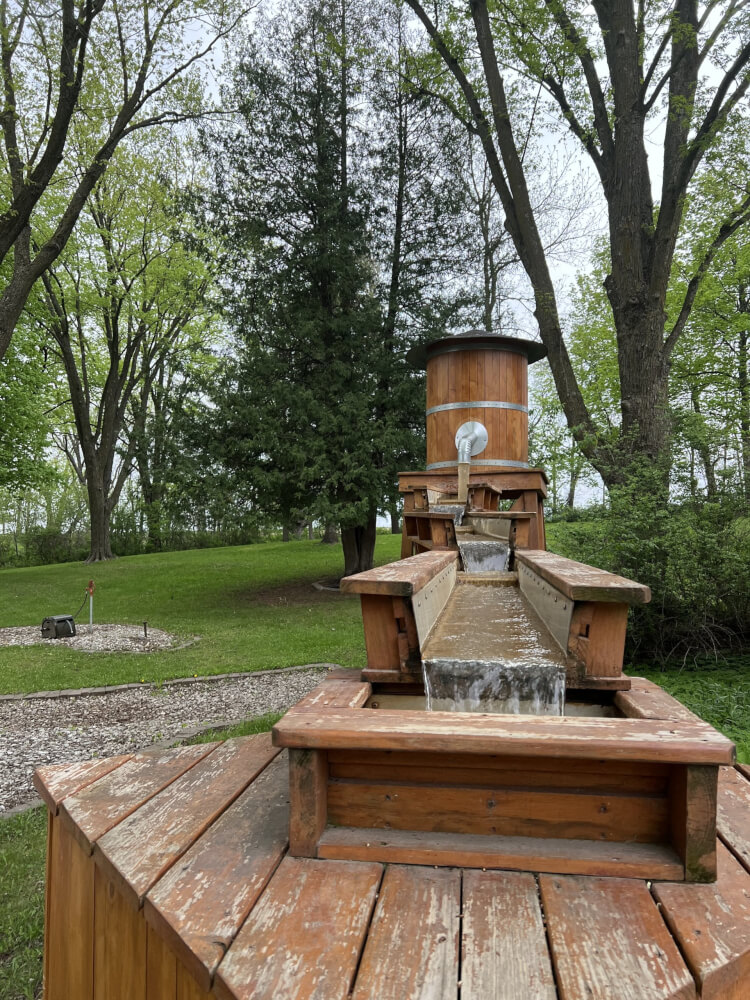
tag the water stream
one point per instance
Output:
(494, 686)
(457, 510)
(484, 557)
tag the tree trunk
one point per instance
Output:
(330, 534)
(100, 520)
(358, 544)
(395, 520)
(743, 379)
(704, 452)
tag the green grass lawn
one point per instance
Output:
(23, 840)
(253, 608)
(718, 691)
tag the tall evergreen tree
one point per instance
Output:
(301, 280)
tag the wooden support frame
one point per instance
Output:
(693, 797)
(628, 797)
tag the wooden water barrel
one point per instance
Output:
(478, 376)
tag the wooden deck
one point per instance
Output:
(169, 879)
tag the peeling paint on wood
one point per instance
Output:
(56, 782)
(608, 940)
(138, 851)
(712, 926)
(201, 903)
(303, 939)
(424, 951)
(581, 582)
(446, 732)
(399, 579)
(504, 958)
(104, 804)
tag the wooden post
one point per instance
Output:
(308, 800)
(692, 794)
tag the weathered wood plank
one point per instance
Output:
(588, 857)
(56, 781)
(119, 945)
(308, 800)
(581, 582)
(339, 693)
(413, 946)
(381, 632)
(202, 902)
(504, 952)
(523, 812)
(138, 851)
(445, 732)
(99, 807)
(693, 818)
(646, 700)
(69, 957)
(399, 579)
(161, 969)
(558, 774)
(303, 938)
(711, 923)
(733, 813)
(597, 637)
(608, 940)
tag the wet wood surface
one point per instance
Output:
(581, 582)
(227, 909)
(491, 623)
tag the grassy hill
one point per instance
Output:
(252, 608)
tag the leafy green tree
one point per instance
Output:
(608, 72)
(119, 308)
(77, 79)
(25, 399)
(310, 408)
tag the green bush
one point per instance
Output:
(695, 557)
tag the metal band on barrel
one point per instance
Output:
(499, 462)
(489, 404)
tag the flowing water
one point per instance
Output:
(483, 557)
(494, 686)
(456, 509)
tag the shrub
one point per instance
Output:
(695, 557)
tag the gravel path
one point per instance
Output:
(58, 730)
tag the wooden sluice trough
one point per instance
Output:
(372, 849)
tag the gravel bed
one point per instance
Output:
(94, 639)
(63, 730)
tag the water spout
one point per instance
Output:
(457, 510)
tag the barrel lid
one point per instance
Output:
(475, 340)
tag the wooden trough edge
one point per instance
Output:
(670, 741)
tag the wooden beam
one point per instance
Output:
(308, 800)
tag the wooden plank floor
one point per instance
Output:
(208, 904)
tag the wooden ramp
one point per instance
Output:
(169, 879)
